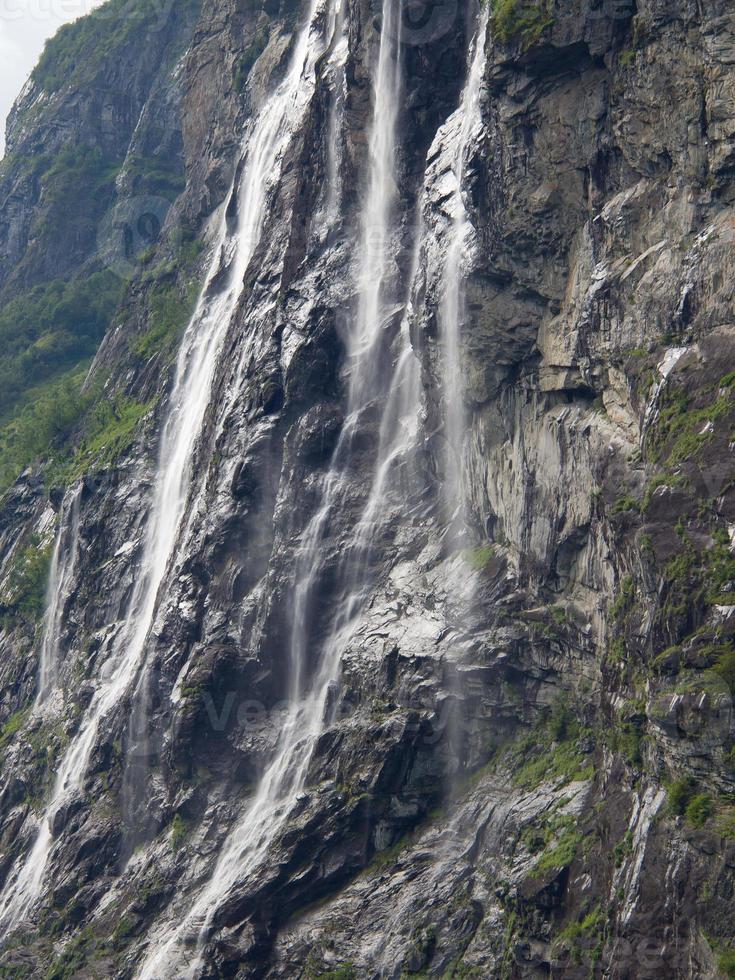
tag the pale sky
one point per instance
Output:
(24, 26)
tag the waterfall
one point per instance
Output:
(284, 778)
(447, 253)
(61, 577)
(27, 882)
(373, 256)
(458, 135)
(190, 395)
(338, 69)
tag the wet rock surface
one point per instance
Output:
(528, 765)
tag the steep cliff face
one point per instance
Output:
(389, 625)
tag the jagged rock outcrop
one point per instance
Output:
(525, 767)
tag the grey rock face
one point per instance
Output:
(87, 140)
(526, 766)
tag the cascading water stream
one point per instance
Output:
(285, 776)
(61, 577)
(447, 252)
(451, 307)
(399, 427)
(338, 66)
(190, 396)
(374, 255)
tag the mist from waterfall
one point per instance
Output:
(190, 396)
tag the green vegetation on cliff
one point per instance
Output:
(11, 728)
(156, 176)
(109, 428)
(24, 594)
(520, 20)
(171, 300)
(43, 429)
(179, 832)
(50, 334)
(557, 750)
(480, 557)
(726, 964)
(86, 44)
(685, 425)
(345, 971)
(59, 294)
(75, 167)
(49, 329)
(41, 426)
